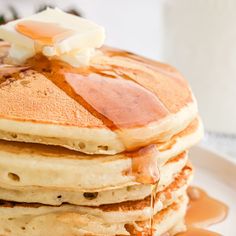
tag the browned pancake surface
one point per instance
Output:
(31, 96)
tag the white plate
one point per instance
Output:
(217, 175)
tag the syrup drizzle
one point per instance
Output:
(144, 165)
(103, 95)
(106, 96)
(146, 171)
(153, 200)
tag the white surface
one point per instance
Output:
(217, 175)
(220, 143)
(199, 39)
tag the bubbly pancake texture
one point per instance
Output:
(37, 220)
(89, 111)
(140, 210)
(70, 170)
(176, 170)
(78, 179)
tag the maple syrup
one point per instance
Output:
(144, 165)
(146, 171)
(204, 210)
(104, 96)
(198, 232)
(153, 200)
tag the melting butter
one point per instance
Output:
(55, 34)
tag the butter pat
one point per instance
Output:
(53, 33)
(76, 59)
(20, 53)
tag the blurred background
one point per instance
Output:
(197, 37)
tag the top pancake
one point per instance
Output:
(121, 102)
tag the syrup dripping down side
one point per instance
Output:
(153, 200)
(146, 171)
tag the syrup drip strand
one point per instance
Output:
(153, 200)
(146, 171)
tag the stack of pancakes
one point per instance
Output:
(104, 164)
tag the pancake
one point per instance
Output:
(140, 210)
(37, 220)
(74, 171)
(57, 197)
(157, 103)
(87, 178)
(170, 220)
